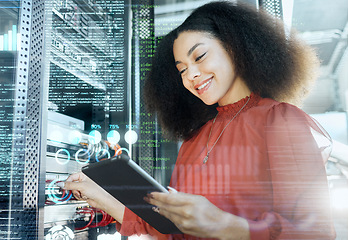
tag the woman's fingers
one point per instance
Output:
(186, 211)
(81, 186)
(86, 189)
(174, 205)
(77, 194)
(177, 199)
(75, 187)
(192, 214)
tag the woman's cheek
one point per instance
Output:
(186, 84)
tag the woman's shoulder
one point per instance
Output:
(285, 117)
(273, 109)
(271, 113)
(284, 120)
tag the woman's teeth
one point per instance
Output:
(205, 84)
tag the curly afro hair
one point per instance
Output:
(272, 63)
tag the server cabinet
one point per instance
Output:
(71, 85)
(89, 105)
(66, 102)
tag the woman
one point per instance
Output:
(250, 167)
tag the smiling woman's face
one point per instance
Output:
(205, 67)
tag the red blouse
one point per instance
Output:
(267, 167)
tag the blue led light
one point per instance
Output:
(53, 196)
(113, 137)
(77, 153)
(94, 137)
(67, 153)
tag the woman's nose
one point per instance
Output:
(193, 72)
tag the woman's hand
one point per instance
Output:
(86, 189)
(197, 216)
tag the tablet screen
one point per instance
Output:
(128, 183)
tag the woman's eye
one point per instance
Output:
(182, 71)
(199, 58)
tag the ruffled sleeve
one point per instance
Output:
(132, 224)
(297, 149)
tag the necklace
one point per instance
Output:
(208, 151)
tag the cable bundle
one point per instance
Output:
(106, 219)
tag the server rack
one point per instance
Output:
(61, 43)
(89, 94)
(72, 87)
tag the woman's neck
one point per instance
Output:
(237, 91)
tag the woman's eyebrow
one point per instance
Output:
(190, 51)
(193, 48)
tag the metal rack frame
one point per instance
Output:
(26, 173)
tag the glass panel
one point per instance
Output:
(9, 18)
(88, 107)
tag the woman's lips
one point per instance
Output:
(203, 86)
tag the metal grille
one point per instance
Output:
(24, 204)
(33, 109)
(273, 7)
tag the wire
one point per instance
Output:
(67, 196)
(114, 147)
(53, 197)
(98, 224)
(85, 211)
(106, 218)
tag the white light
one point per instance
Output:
(340, 151)
(131, 137)
(115, 236)
(60, 161)
(85, 153)
(141, 237)
(113, 137)
(94, 137)
(75, 137)
(93, 65)
(14, 37)
(1, 42)
(5, 42)
(288, 7)
(10, 40)
(339, 198)
(56, 136)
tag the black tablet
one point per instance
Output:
(129, 183)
